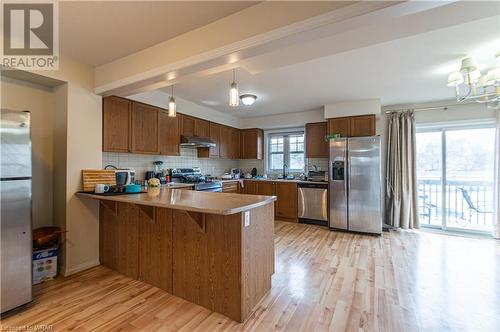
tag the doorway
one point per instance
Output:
(455, 177)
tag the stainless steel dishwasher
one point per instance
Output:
(313, 203)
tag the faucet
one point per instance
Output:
(284, 171)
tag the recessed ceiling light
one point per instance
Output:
(248, 99)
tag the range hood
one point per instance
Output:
(196, 142)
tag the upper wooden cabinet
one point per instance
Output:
(225, 140)
(362, 126)
(235, 144)
(215, 136)
(214, 131)
(353, 126)
(252, 143)
(192, 126)
(188, 124)
(339, 126)
(145, 129)
(116, 124)
(169, 134)
(316, 146)
(202, 128)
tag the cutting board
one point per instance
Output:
(91, 177)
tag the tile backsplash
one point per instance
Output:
(189, 158)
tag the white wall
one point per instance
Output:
(21, 95)
(352, 108)
(160, 99)
(288, 120)
(78, 145)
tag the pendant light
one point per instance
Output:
(234, 97)
(171, 105)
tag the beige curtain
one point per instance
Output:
(497, 177)
(401, 190)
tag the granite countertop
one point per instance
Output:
(190, 200)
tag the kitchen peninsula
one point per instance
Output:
(213, 249)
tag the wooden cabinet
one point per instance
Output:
(192, 126)
(316, 145)
(362, 126)
(202, 128)
(235, 144)
(116, 124)
(265, 188)
(145, 133)
(252, 143)
(215, 136)
(339, 126)
(169, 134)
(231, 187)
(285, 192)
(250, 187)
(188, 125)
(286, 203)
(353, 126)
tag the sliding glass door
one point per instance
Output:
(455, 177)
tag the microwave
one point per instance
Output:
(124, 177)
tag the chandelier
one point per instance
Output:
(471, 85)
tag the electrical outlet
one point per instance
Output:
(247, 218)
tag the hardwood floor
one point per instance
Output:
(402, 281)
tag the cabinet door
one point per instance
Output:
(215, 136)
(339, 126)
(145, 131)
(169, 134)
(362, 125)
(252, 143)
(265, 188)
(188, 125)
(316, 146)
(116, 124)
(250, 187)
(235, 143)
(286, 203)
(202, 128)
(225, 142)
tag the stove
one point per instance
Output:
(193, 175)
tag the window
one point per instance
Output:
(286, 148)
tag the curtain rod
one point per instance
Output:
(420, 109)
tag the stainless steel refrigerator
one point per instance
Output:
(355, 184)
(15, 214)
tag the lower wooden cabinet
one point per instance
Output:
(250, 187)
(231, 187)
(285, 192)
(286, 203)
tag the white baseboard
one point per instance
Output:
(81, 267)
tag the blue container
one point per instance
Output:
(133, 188)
